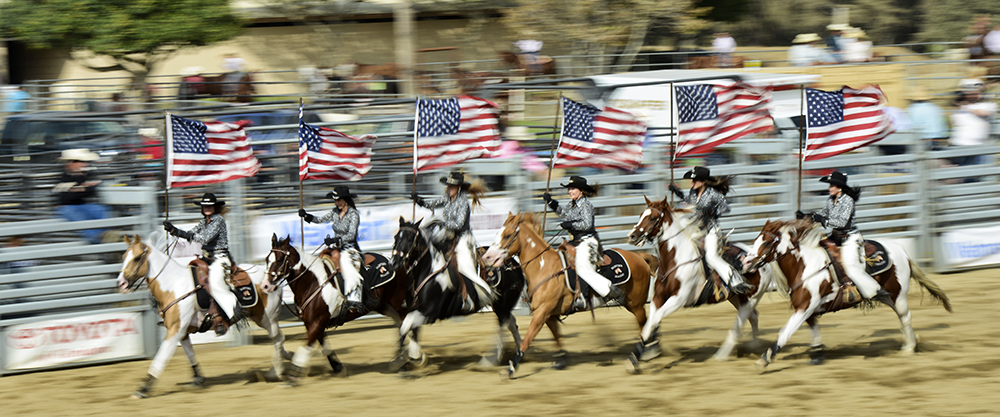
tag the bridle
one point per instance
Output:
(141, 273)
(282, 272)
(409, 262)
(771, 240)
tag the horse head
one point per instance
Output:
(135, 264)
(651, 222)
(279, 263)
(507, 243)
(408, 245)
(778, 238)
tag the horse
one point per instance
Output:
(436, 290)
(815, 284)
(549, 294)
(545, 66)
(180, 304)
(216, 86)
(320, 299)
(683, 280)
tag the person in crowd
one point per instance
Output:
(76, 192)
(834, 40)
(15, 99)
(927, 119)
(855, 46)
(971, 122)
(723, 47)
(531, 50)
(579, 223)
(974, 42)
(805, 53)
(708, 197)
(212, 234)
(838, 214)
(235, 68)
(344, 220)
(454, 231)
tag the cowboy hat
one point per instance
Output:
(806, 38)
(455, 178)
(971, 84)
(837, 178)
(341, 191)
(835, 27)
(921, 93)
(855, 33)
(209, 200)
(699, 173)
(79, 154)
(579, 183)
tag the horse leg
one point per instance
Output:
(744, 309)
(277, 339)
(411, 322)
(656, 314)
(199, 379)
(160, 360)
(538, 317)
(816, 356)
(902, 308)
(793, 324)
(651, 345)
(300, 362)
(335, 364)
(559, 358)
(494, 357)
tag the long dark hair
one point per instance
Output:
(853, 192)
(720, 184)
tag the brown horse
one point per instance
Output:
(548, 293)
(216, 86)
(512, 61)
(817, 286)
(682, 280)
(320, 300)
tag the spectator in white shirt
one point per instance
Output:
(723, 46)
(804, 51)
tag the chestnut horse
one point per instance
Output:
(545, 66)
(548, 293)
(321, 301)
(172, 285)
(215, 86)
(813, 285)
(683, 280)
(436, 290)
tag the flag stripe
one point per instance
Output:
(844, 120)
(603, 139)
(205, 153)
(741, 110)
(326, 154)
(454, 130)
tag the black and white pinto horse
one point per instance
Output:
(437, 291)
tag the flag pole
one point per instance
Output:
(168, 147)
(802, 141)
(302, 222)
(416, 129)
(673, 128)
(552, 159)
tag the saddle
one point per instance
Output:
(375, 270)
(877, 261)
(239, 283)
(714, 289)
(612, 265)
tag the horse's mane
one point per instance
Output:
(529, 218)
(803, 231)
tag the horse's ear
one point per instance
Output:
(648, 203)
(402, 221)
(417, 224)
(274, 240)
(137, 239)
(287, 240)
(126, 239)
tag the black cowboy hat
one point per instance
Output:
(839, 179)
(341, 191)
(699, 173)
(455, 178)
(209, 200)
(579, 183)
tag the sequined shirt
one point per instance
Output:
(211, 233)
(456, 211)
(839, 213)
(711, 202)
(346, 228)
(580, 213)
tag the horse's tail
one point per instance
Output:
(936, 291)
(652, 260)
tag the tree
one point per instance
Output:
(951, 20)
(136, 34)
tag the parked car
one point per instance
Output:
(40, 137)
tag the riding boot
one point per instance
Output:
(616, 293)
(353, 302)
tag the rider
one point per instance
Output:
(579, 223)
(211, 233)
(455, 229)
(838, 214)
(344, 220)
(708, 196)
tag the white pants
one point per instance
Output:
(221, 292)
(350, 270)
(714, 260)
(586, 266)
(854, 266)
(465, 255)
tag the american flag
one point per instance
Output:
(711, 115)
(204, 153)
(603, 139)
(844, 120)
(326, 154)
(453, 130)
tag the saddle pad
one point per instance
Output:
(240, 278)
(877, 258)
(617, 271)
(377, 271)
(204, 300)
(569, 274)
(246, 295)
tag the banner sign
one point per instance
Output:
(971, 247)
(79, 339)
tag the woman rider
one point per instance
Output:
(211, 233)
(579, 223)
(455, 229)
(838, 214)
(708, 196)
(344, 220)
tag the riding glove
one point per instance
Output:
(819, 218)
(677, 191)
(799, 214)
(169, 227)
(333, 242)
(416, 199)
(553, 204)
(306, 216)
(567, 225)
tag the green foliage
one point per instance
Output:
(951, 20)
(118, 28)
(776, 22)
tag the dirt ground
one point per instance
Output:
(955, 372)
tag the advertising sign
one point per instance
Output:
(971, 247)
(78, 339)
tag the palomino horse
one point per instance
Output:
(548, 292)
(682, 279)
(437, 290)
(320, 300)
(813, 285)
(173, 286)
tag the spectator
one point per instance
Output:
(974, 42)
(804, 51)
(991, 42)
(723, 46)
(855, 46)
(927, 119)
(15, 99)
(235, 67)
(76, 188)
(833, 40)
(531, 50)
(970, 125)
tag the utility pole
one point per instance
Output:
(404, 34)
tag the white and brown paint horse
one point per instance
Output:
(548, 293)
(172, 285)
(811, 282)
(683, 281)
(320, 300)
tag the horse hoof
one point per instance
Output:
(420, 363)
(632, 365)
(198, 382)
(761, 364)
(650, 353)
(139, 395)
(507, 374)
